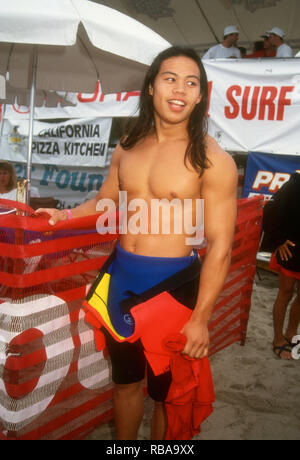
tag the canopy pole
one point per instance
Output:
(3, 109)
(2, 112)
(30, 136)
(207, 21)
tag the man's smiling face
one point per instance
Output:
(176, 89)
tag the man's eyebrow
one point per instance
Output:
(176, 75)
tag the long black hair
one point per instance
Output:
(139, 127)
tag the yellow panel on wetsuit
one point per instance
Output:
(99, 302)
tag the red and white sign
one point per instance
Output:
(255, 104)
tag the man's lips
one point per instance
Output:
(177, 104)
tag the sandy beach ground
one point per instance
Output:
(257, 395)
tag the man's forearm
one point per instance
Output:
(213, 275)
(85, 209)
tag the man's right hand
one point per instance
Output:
(56, 215)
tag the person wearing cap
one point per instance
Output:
(226, 49)
(269, 49)
(258, 50)
(263, 49)
(276, 39)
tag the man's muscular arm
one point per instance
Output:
(218, 189)
(109, 189)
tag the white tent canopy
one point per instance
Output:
(200, 23)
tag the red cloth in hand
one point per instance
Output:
(98, 334)
(191, 394)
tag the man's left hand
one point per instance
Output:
(197, 336)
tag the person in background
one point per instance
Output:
(258, 50)
(281, 225)
(8, 181)
(262, 49)
(226, 49)
(276, 36)
(269, 49)
(243, 51)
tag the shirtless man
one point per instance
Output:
(168, 154)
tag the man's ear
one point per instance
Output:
(151, 90)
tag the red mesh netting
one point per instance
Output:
(54, 384)
(230, 315)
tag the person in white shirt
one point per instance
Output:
(226, 49)
(276, 39)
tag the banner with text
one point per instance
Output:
(75, 142)
(71, 185)
(254, 105)
(266, 173)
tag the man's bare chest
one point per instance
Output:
(150, 175)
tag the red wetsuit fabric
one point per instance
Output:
(172, 317)
(191, 394)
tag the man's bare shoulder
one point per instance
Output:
(216, 154)
(218, 157)
(222, 167)
(121, 151)
(117, 155)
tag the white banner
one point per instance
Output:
(254, 105)
(75, 142)
(84, 105)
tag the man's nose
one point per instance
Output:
(179, 87)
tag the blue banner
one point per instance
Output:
(266, 173)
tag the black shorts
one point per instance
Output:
(129, 365)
